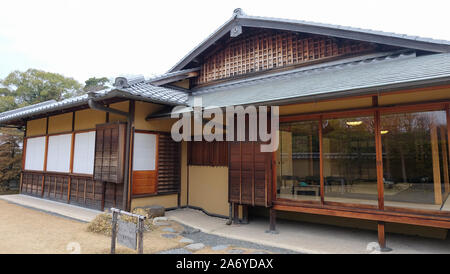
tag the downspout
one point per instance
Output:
(97, 106)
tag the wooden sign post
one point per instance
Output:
(127, 233)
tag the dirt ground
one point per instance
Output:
(24, 230)
(28, 231)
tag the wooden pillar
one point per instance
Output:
(273, 221)
(379, 162)
(230, 214)
(114, 232)
(235, 213)
(382, 237)
(436, 169)
(245, 214)
(444, 159)
(322, 182)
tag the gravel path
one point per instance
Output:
(217, 241)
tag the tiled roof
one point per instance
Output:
(134, 89)
(313, 83)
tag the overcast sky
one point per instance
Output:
(99, 38)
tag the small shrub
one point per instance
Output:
(102, 223)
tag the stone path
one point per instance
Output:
(199, 242)
(55, 208)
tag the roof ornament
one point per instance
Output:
(235, 31)
(238, 12)
(128, 81)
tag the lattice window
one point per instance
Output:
(269, 49)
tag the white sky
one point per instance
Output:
(82, 39)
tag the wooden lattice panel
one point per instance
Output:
(269, 49)
(169, 157)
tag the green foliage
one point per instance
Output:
(10, 156)
(20, 89)
(35, 86)
(95, 84)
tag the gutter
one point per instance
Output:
(11, 126)
(97, 106)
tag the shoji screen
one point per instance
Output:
(84, 153)
(58, 158)
(144, 157)
(35, 154)
(145, 179)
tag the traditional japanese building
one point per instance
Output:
(364, 130)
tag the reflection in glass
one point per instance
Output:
(415, 159)
(298, 161)
(349, 157)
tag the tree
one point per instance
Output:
(20, 89)
(95, 84)
(35, 86)
(7, 100)
(10, 156)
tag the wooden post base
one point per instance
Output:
(230, 214)
(382, 238)
(235, 213)
(244, 214)
(273, 222)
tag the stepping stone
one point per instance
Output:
(186, 240)
(219, 247)
(151, 211)
(161, 224)
(160, 221)
(175, 251)
(236, 251)
(190, 230)
(169, 229)
(196, 246)
(169, 236)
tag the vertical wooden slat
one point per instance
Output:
(253, 173)
(322, 184)
(84, 194)
(240, 173)
(72, 149)
(45, 162)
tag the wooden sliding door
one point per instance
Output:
(250, 174)
(145, 164)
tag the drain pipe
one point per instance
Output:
(97, 106)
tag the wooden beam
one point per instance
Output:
(364, 214)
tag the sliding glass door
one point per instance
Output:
(415, 160)
(349, 160)
(298, 161)
(335, 154)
